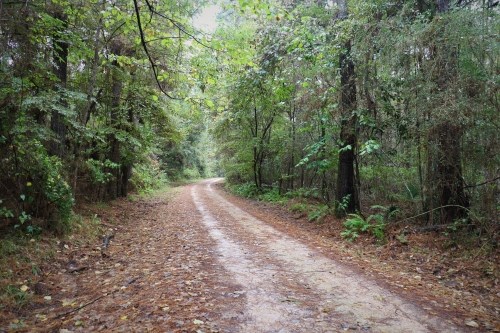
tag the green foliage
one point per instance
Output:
(299, 207)
(354, 225)
(77, 125)
(100, 171)
(341, 206)
(318, 213)
(147, 177)
(262, 104)
(191, 173)
(5, 212)
(56, 190)
(246, 190)
(375, 224)
(20, 297)
(312, 193)
(272, 195)
(8, 246)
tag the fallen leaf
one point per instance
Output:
(123, 317)
(68, 302)
(24, 288)
(48, 298)
(41, 317)
(198, 322)
(471, 323)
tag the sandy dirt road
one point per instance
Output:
(194, 262)
(291, 288)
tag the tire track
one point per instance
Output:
(257, 255)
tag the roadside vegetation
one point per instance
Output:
(375, 120)
(384, 115)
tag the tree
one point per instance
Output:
(78, 103)
(60, 49)
(347, 194)
(445, 184)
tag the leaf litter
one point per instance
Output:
(163, 270)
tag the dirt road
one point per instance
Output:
(196, 262)
(291, 288)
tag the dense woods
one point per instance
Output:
(92, 105)
(371, 126)
(384, 108)
(372, 108)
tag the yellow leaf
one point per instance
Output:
(123, 317)
(68, 302)
(24, 288)
(42, 317)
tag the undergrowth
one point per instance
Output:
(23, 254)
(375, 224)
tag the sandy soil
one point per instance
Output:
(292, 288)
(196, 262)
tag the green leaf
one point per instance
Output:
(209, 103)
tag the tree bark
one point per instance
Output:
(60, 57)
(445, 180)
(346, 192)
(114, 187)
(445, 184)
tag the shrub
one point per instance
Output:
(147, 177)
(299, 207)
(41, 189)
(272, 195)
(191, 173)
(247, 190)
(319, 213)
(375, 224)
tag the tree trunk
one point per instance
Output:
(114, 187)
(60, 52)
(322, 156)
(445, 184)
(346, 191)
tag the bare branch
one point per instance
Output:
(178, 26)
(144, 45)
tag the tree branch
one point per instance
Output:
(177, 25)
(144, 45)
(483, 183)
